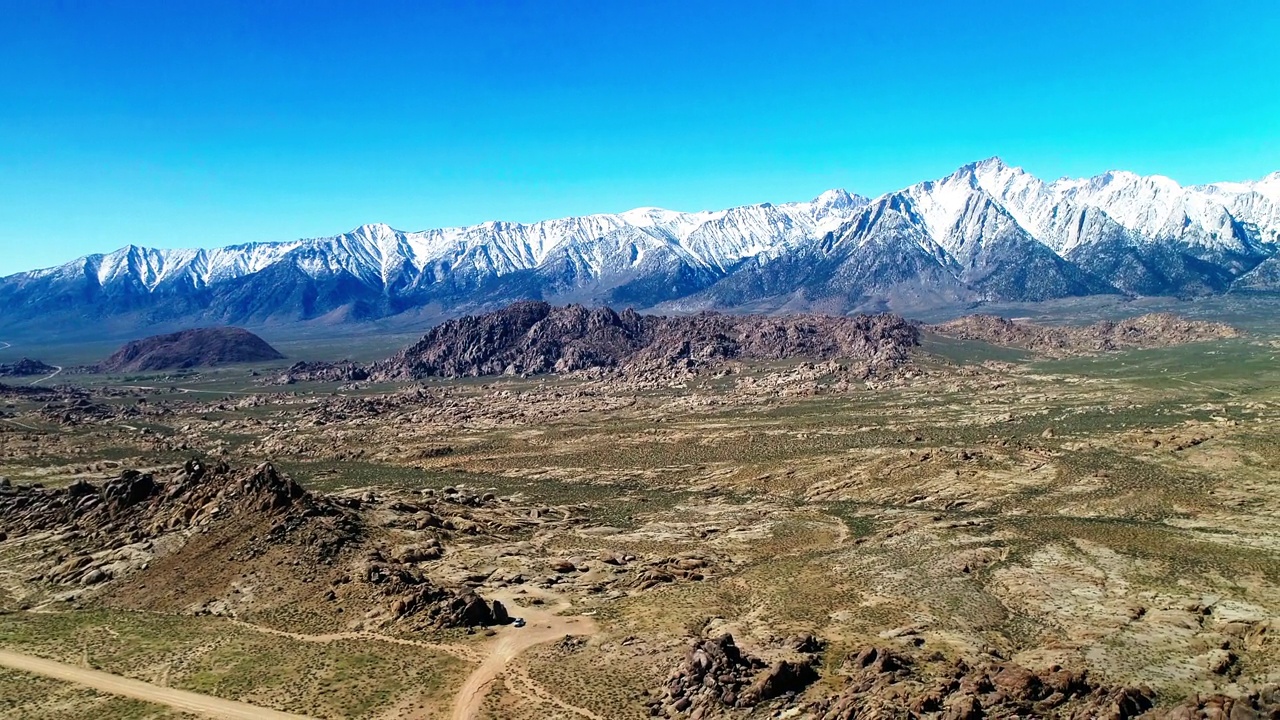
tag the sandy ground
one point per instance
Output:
(542, 625)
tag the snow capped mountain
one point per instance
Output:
(988, 231)
(1204, 218)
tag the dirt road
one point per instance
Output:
(542, 625)
(460, 651)
(114, 684)
(50, 376)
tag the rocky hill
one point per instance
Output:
(529, 338)
(26, 367)
(187, 541)
(1143, 331)
(200, 347)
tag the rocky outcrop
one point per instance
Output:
(716, 678)
(318, 371)
(882, 683)
(529, 338)
(1143, 331)
(688, 566)
(137, 507)
(431, 606)
(200, 347)
(25, 367)
(209, 539)
(1257, 705)
(716, 674)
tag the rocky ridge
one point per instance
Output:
(1144, 331)
(716, 678)
(26, 367)
(188, 541)
(529, 338)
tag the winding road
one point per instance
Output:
(57, 369)
(127, 687)
(543, 625)
(50, 376)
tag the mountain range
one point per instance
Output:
(987, 232)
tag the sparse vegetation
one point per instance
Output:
(1093, 512)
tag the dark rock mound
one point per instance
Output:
(26, 367)
(436, 607)
(715, 673)
(1144, 331)
(417, 602)
(529, 338)
(319, 371)
(200, 347)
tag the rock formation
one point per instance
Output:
(717, 675)
(882, 683)
(26, 367)
(529, 338)
(200, 347)
(1143, 331)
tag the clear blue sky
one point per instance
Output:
(181, 123)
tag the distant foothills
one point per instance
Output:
(986, 233)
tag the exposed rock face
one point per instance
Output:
(1143, 331)
(190, 541)
(137, 505)
(881, 683)
(436, 607)
(783, 676)
(343, 371)
(529, 338)
(716, 674)
(26, 367)
(1255, 706)
(716, 677)
(112, 529)
(200, 347)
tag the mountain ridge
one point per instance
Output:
(986, 232)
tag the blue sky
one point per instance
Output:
(184, 123)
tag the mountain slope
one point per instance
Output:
(987, 232)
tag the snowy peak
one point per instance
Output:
(988, 230)
(837, 199)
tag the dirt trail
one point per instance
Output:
(138, 690)
(57, 369)
(542, 625)
(460, 651)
